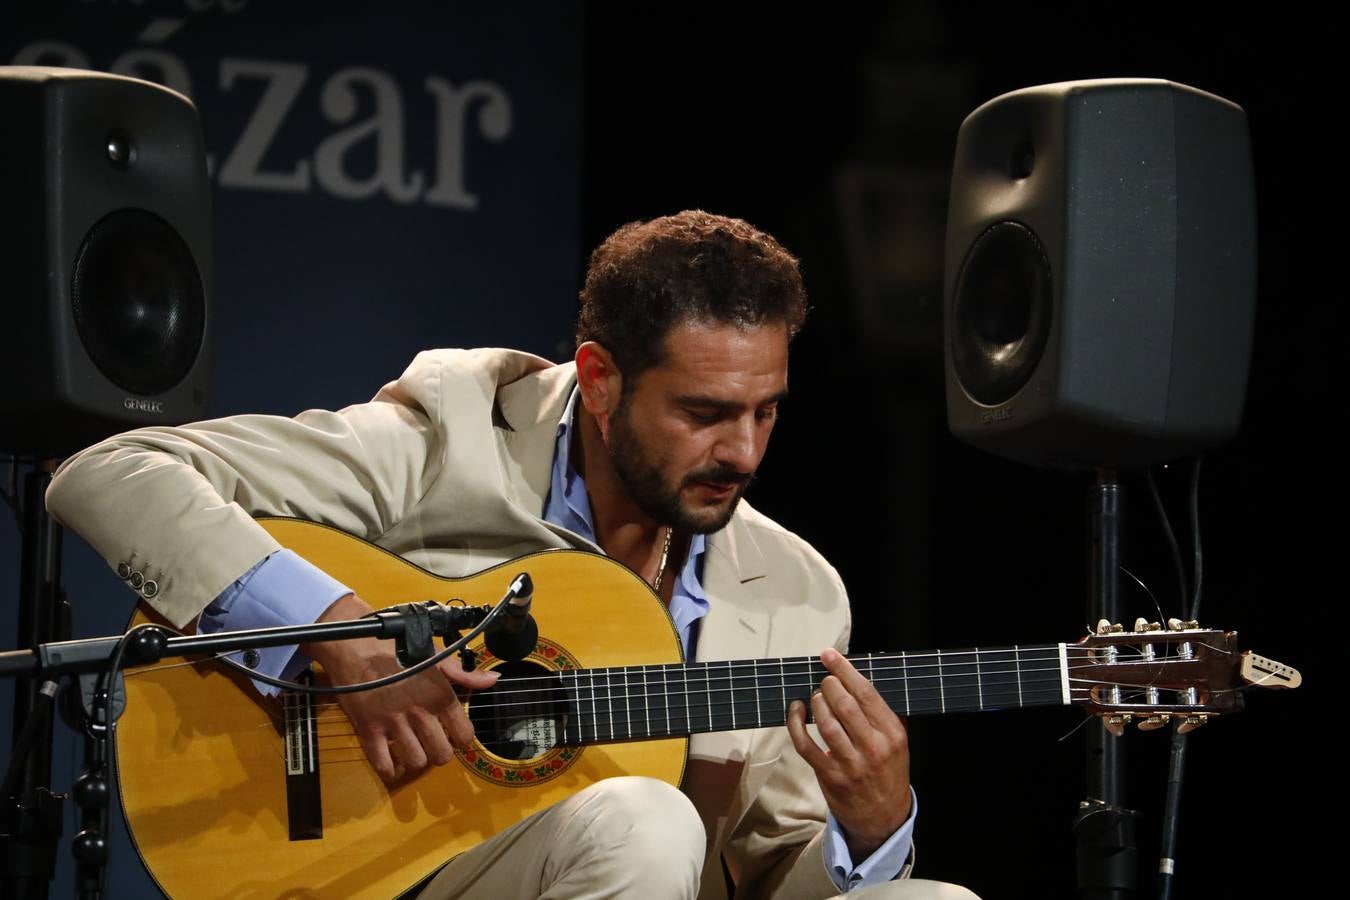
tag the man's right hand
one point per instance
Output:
(404, 726)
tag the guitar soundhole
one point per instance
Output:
(522, 716)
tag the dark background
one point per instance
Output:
(835, 131)
(788, 122)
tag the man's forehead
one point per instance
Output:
(725, 360)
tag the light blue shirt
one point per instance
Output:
(569, 505)
(284, 589)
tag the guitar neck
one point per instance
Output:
(638, 702)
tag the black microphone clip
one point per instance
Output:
(413, 625)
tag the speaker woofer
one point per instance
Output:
(138, 302)
(1001, 313)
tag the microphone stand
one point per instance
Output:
(1103, 828)
(31, 816)
(411, 625)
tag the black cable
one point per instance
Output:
(1171, 539)
(91, 849)
(1171, 813)
(1177, 761)
(384, 681)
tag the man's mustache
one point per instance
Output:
(721, 476)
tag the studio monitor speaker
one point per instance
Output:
(105, 258)
(1100, 273)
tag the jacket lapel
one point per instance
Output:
(721, 781)
(737, 624)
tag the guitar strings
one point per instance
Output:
(708, 682)
(707, 703)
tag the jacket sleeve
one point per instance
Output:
(171, 509)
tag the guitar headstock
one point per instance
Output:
(1157, 673)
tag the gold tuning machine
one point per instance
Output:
(1190, 723)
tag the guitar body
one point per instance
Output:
(202, 762)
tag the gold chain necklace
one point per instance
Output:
(661, 569)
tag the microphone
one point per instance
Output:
(513, 633)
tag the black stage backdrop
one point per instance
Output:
(835, 132)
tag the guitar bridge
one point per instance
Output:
(304, 807)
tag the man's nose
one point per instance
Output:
(740, 446)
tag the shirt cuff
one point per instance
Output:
(283, 589)
(885, 864)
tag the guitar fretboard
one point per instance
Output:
(637, 702)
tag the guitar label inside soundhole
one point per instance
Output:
(520, 723)
(533, 736)
(521, 717)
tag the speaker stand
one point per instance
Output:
(1103, 829)
(31, 820)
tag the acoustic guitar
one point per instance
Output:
(229, 794)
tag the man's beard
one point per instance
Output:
(642, 479)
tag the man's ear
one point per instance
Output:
(600, 383)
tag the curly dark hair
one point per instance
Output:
(689, 267)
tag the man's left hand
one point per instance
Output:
(864, 774)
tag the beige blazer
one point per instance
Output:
(449, 466)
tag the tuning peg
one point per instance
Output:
(1175, 624)
(1142, 624)
(1104, 626)
(1116, 724)
(1192, 722)
(1153, 723)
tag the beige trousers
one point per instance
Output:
(620, 837)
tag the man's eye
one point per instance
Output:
(767, 414)
(704, 417)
